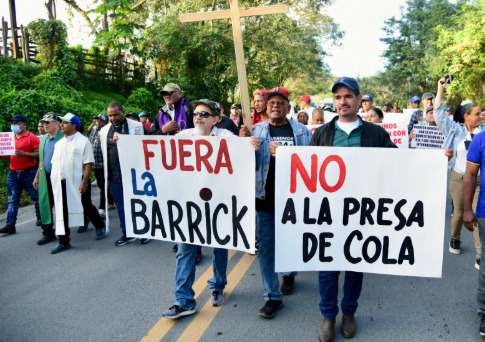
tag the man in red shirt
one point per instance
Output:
(23, 167)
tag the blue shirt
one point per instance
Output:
(476, 155)
(48, 152)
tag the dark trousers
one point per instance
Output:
(99, 174)
(16, 182)
(89, 210)
(49, 227)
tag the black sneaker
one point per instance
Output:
(455, 246)
(288, 285)
(482, 326)
(123, 240)
(144, 241)
(217, 298)
(8, 229)
(100, 233)
(60, 248)
(82, 230)
(39, 222)
(198, 257)
(46, 238)
(175, 248)
(477, 264)
(269, 309)
(176, 312)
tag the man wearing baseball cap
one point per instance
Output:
(176, 115)
(98, 167)
(345, 130)
(42, 181)
(418, 114)
(72, 162)
(23, 167)
(367, 103)
(306, 104)
(277, 131)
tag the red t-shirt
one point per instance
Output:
(28, 142)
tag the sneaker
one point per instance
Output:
(175, 248)
(111, 206)
(100, 233)
(144, 241)
(455, 246)
(8, 229)
(288, 285)
(482, 326)
(95, 183)
(176, 312)
(477, 264)
(256, 248)
(217, 298)
(269, 309)
(46, 238)
(102, 213)
(82, 229)
(60, 248)
(123, 240)
(39, 222)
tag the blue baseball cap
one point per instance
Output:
(69, 117)
(348, 82)
(415, 98)
(447, 109)
(142, 114)
(103, 117)
(18, 118)
(367, 97)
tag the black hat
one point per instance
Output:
(19, 118)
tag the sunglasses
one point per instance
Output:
(203, 114)
(169, 94)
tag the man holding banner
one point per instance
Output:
(205, 119)
(346, 130)
(287, 133)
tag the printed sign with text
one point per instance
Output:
(7, 144)
(398, 132)
(426, 136)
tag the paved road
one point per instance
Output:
(99, 292)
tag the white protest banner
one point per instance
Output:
(328, 217)
(7, 144)
(312, 128)
(398, 131)
(186, 189)
(328, 116)
(426, 136)
(398, 117)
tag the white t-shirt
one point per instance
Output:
(461, 153)
(348, 127)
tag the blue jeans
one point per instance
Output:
(266, 256)
(328, 283)
(185, 274)
(16, 182)
(117, 192)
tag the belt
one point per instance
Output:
(22, 171)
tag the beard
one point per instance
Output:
(199, 131)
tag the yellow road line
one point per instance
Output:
(162, 327)
(201, 322)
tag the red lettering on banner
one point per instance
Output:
(397, 141)
(399, 133)
(185, 154)
(341, 177)
(148, 154)
(199, 159)
(223, 153)
(164, 155)
(296, 164)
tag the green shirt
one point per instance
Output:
(342, 139)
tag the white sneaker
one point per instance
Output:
(102, 213)
(95, 183)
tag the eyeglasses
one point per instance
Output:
(169, 94)
(203, 114)
(276, 103)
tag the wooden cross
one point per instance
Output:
(235, 13)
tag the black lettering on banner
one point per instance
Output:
(347, 244)
(208, 228)
(307, 239)
(325, 215)
(141, 214)
(368, 206)
(289, 213)
(306, 212)
(407, 251)
(377, 252)
(214, 224)
(399, 215)
(417, 215)
(193, 224)
(350, 211)
(157, 220)
(236, 223)
(381, 209)
(174, 222)
(323, 245)
(385, 253)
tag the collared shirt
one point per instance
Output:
(48, 152)
(28, 142)
(342, 139)
(98, 154)
(68, 147)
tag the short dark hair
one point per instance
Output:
(467, 109)
(379, 112)
(115, 104)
